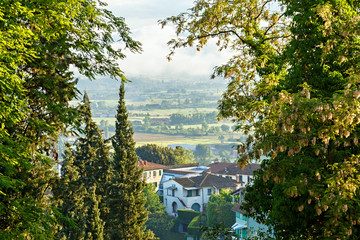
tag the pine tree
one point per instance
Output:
(86, 175)
(127, 215)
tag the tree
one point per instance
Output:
(164, 155)
(36, 86)
(293, 89)
(218, 210)
(125, 199)
(225, 128)
(225, 156)
(203, 153)
(86, 175)
(158, 222)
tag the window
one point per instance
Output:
(196, 207)
(249, 178)
(240, 178)
(159, 172)
(197, 192)
(189, 193)
(155, 184)
(173, 193)
(209, 191)
(154, 173)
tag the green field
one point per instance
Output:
(164, 140)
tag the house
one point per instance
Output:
(232, 171)
(193, 193)
(245, 226)
(181, 170)
(153, 172)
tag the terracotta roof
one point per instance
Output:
(207, 180)
(149, 165)
(232, 168)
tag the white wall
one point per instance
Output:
(181, 193)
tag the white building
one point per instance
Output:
(194, 192)
(153, 172)
(182, 170)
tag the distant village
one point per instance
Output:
(189, 187)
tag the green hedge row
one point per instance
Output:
(186, 216)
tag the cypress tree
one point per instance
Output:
(95, 223)
(86, 175)
(127, 215)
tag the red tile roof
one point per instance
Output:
(149, 165)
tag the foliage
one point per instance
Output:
(158, 222)
(153, 203)
(186, 216)
(194, 227)
(164, 155)
(190, 119)
(218, 231)
(127, 215)
(203, 154)
(293, 88)
(218, 209)
(86, 173)
(39, 41)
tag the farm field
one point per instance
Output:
(165, 140)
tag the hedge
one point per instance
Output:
(186, 216)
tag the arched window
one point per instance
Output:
(174, 207)
(196, 207)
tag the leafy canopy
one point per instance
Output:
(294, 90)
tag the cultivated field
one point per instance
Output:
(164, 140)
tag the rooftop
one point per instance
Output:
(206, 180)
(149, 165)
(232, 168)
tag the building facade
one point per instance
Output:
(193, 193)
(153, 172)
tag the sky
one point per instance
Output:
(142, 17)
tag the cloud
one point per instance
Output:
(142, 17)
(153, 61)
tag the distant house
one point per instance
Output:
(153, 172)
(232, 171)
(193, 193)
(181, 170)
(245, 226)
